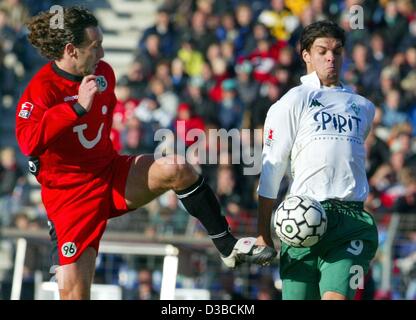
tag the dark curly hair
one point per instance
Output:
(51, 41)
(320, 29)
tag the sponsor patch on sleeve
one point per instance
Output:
(101, 83)
(25, 110)
(269, 137)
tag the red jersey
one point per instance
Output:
(72, 149)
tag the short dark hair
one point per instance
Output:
(320, 29)
(51, 42)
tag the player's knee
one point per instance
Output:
(177, 171)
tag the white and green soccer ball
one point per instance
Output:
(300, 221)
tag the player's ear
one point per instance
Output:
(306, 56)
(70, 50)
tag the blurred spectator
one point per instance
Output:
(279, 19)
(239, 219)
(363, 72)
(393, 25)
(378, 50)
(269, 94)
(227, 30)
(135, 79)
(151, 117)
(407, 202)
(36, 6)
(265, 54)
(179, 77)
(8, 77)
(10, 171)
(287, 61)
(198, 33)
(244, 16)
(410, 60)
(191, 57)
(187, 121)
(297, 6)
(378, 152)
(247, 87)
(132, 140)
(7, 33)
(169, 218)
(149, 55)
(407, 9)
(389, 80)
(196, 97)
(167, 100)
(409, 39)
(400, 138)
(391, 108)
(145, 289)
(225, 184)
(165, 29)
(219, 74)
(162, 73)
(305, 18)
(319, 9)
(125, 105)
(17, 13)
(21, 221)
(382, 179)
(213, 52)
(227, 52)
(231, 109)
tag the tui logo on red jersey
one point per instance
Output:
(79, 130)
(25, 110)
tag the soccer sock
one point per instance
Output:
(200, 201)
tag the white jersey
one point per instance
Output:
(320, 132)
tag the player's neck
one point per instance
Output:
(67, 67)
(325, 83)
(331, 84)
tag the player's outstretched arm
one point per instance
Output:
(265, 210)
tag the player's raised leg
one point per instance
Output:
(149, 178)
(75, 279)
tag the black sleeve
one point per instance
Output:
(79, 110)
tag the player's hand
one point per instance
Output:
(261, 241)
(86, 92)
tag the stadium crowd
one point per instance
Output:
(222, 64)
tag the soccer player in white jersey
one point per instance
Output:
(317, 130)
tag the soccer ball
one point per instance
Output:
(299, 221)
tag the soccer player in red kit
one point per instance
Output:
(63, 123)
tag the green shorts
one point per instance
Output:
(338, 262)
